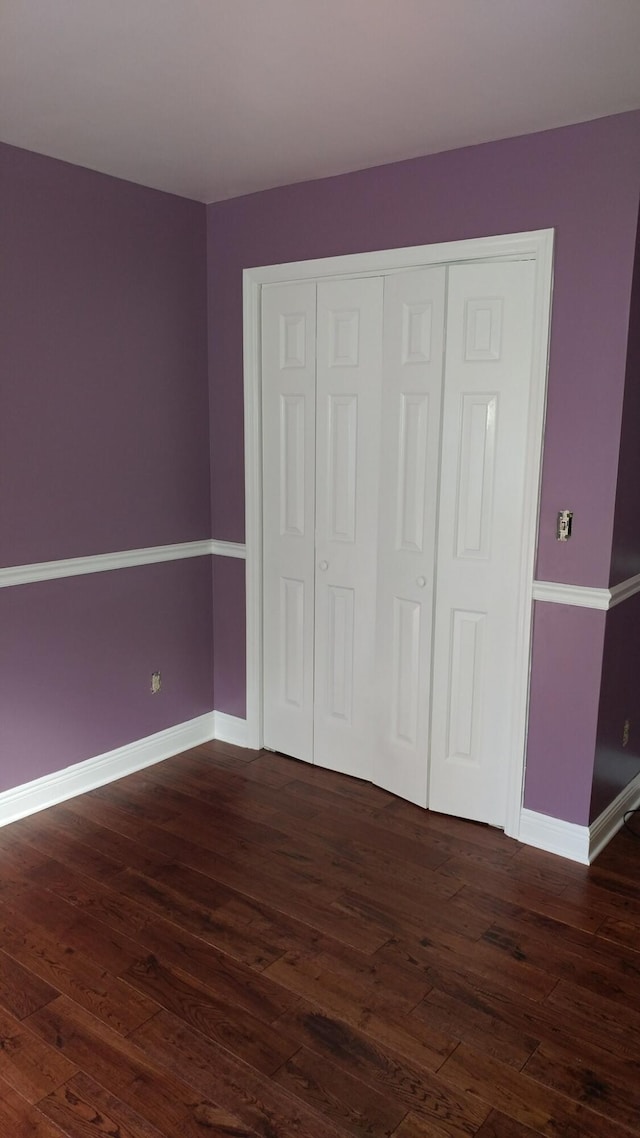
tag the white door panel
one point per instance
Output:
(289, 380)
(409, 461)
(484, 442)
(347, 445)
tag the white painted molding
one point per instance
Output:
(581, 595)
(101, 563)
(555, 836)
(584, 595)
(511, 245)
(84, 776)
(227, 549)
(606, 826)
(624, 590)
(229, 729)
(579, 843)
(105, 562)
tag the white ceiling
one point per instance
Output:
(215, 98)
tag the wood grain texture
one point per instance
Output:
(235, 944)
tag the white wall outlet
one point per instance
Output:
(156, 682)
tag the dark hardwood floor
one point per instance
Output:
(232, 943)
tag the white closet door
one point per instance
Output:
(484, 441)
(409, 466)
(289, 400)
(349, 360)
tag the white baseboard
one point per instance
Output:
(579, 843)
(552, 834)
(78, 779)
(230, 729)
(606, 826)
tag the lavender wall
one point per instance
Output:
(583, 181)
(616, 764)
(103, 405)
(229, 635)
(76, 657)
(566, 666)
(625, 560)
(103, 446)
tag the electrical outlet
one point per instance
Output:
(625, 732)
(156, 682)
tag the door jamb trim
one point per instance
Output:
(536, 245)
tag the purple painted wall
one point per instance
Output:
(76, 658)
(103, 405)
(229, 636)
(566, 666)
(103, 446)
(616, 763)
(625, 558)
(584, 182)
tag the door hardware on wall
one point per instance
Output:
(564, 525)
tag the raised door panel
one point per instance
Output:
(349, 339)
(484, 448)
(409, 460)
(288, 381)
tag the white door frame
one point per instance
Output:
(536, 245)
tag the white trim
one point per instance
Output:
(229, 729)
(101, 563)
(579, 843)
(227, 549)
(512, 245)
(529, 524)
(624, 590)
(608, 823)
(84, 776)
(252, 341)
(535, 245)
(581, 595)
(584, 595)
(557, 837)
(105, 562)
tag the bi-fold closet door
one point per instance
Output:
(352, 378)
(394, 434)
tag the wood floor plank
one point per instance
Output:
(38, 910)
(21, 990)
(150, 1089)
(21, 1119)
(493, 1013)
(607, 1084)
(84, 1109)
(63, 970)
(350, 1103)
(223, 1020)
(244, 945)
(466, 1020)
(412, 1083)
(356, 1005)
(27, 1064)
(520, 1097)
(260, 1103)
(498, 1125)
(618, 978)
